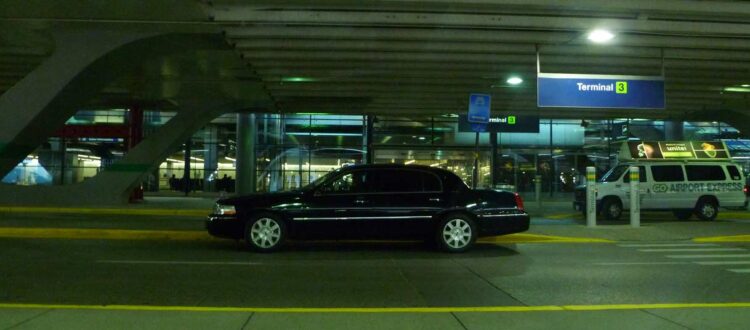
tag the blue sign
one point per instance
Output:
(600, 91)
(479, 108)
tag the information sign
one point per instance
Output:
(600, 91)
(479, 108)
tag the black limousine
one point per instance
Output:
(372, 202)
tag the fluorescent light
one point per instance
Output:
(737, 89)
(230, 159)
(409, 162)
(600, 36)
(514, 80)
(745, 85)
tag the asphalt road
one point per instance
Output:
(218, 273)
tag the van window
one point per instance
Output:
(705, 173)
(641, 172)
(614, 174)
(734, 173)
(664, 173)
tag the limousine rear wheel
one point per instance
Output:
(456, 233)
(706, 209)
(265, 232)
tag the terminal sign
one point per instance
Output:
(600, 91)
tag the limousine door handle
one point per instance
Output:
(359, 201)
(435, 199)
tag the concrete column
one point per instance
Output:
(674, 130)
(187, 183)
(494, 170)
(211, 156)
(246, 162)
(84, 61)
(369, 139)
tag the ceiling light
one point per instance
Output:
(296, 79)
(745, 85)
(600, 36)
(514, 80)
(737, 89)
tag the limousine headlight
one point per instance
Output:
(223, 209)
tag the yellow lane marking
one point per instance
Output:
(479, 309)
(114, 234)
(733, 238)
(562, 216)
(532, 238)
(80, 210)
(187, 235)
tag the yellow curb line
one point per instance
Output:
(479, 309)
(77, 210)
(194, 235)
(113, 234)
(732, 238)
(533, 238)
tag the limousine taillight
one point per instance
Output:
(519, 201)
(746, 189)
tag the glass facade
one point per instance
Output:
(293, 150)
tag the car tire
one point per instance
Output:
(683, 214)
(706, 209)
(265, 232)
(456, 233)
(612, 209)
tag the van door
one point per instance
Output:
(666, 184)
(643, 188)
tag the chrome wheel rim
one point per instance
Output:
(614, 210)
(708, 210)
(265, 233)
(457, 233)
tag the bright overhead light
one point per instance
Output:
(514, 80)
(745, 85)
(600, 36)
(737, 89)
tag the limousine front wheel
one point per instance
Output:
(265, 233)
(456, 233)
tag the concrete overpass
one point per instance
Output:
(205, 58)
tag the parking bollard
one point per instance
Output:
(590, 196)
(635, 201)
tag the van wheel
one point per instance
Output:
(612, 209)
(683, 214)
(706, 209)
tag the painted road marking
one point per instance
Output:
(170, 262)
(533, 238)
(478, 309)
(642, 263)
(710, 263)
(693, 250)
(746, 270)
(699, 256)
(665, 245)
(733, 238)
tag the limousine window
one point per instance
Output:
(733, 172)
(403, 181)
(705, 173)
(348, 183)
(666, 173)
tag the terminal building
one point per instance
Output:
(110, 104)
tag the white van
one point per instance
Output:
(683, 187)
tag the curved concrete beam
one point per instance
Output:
(113, 185)
(83, 62)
